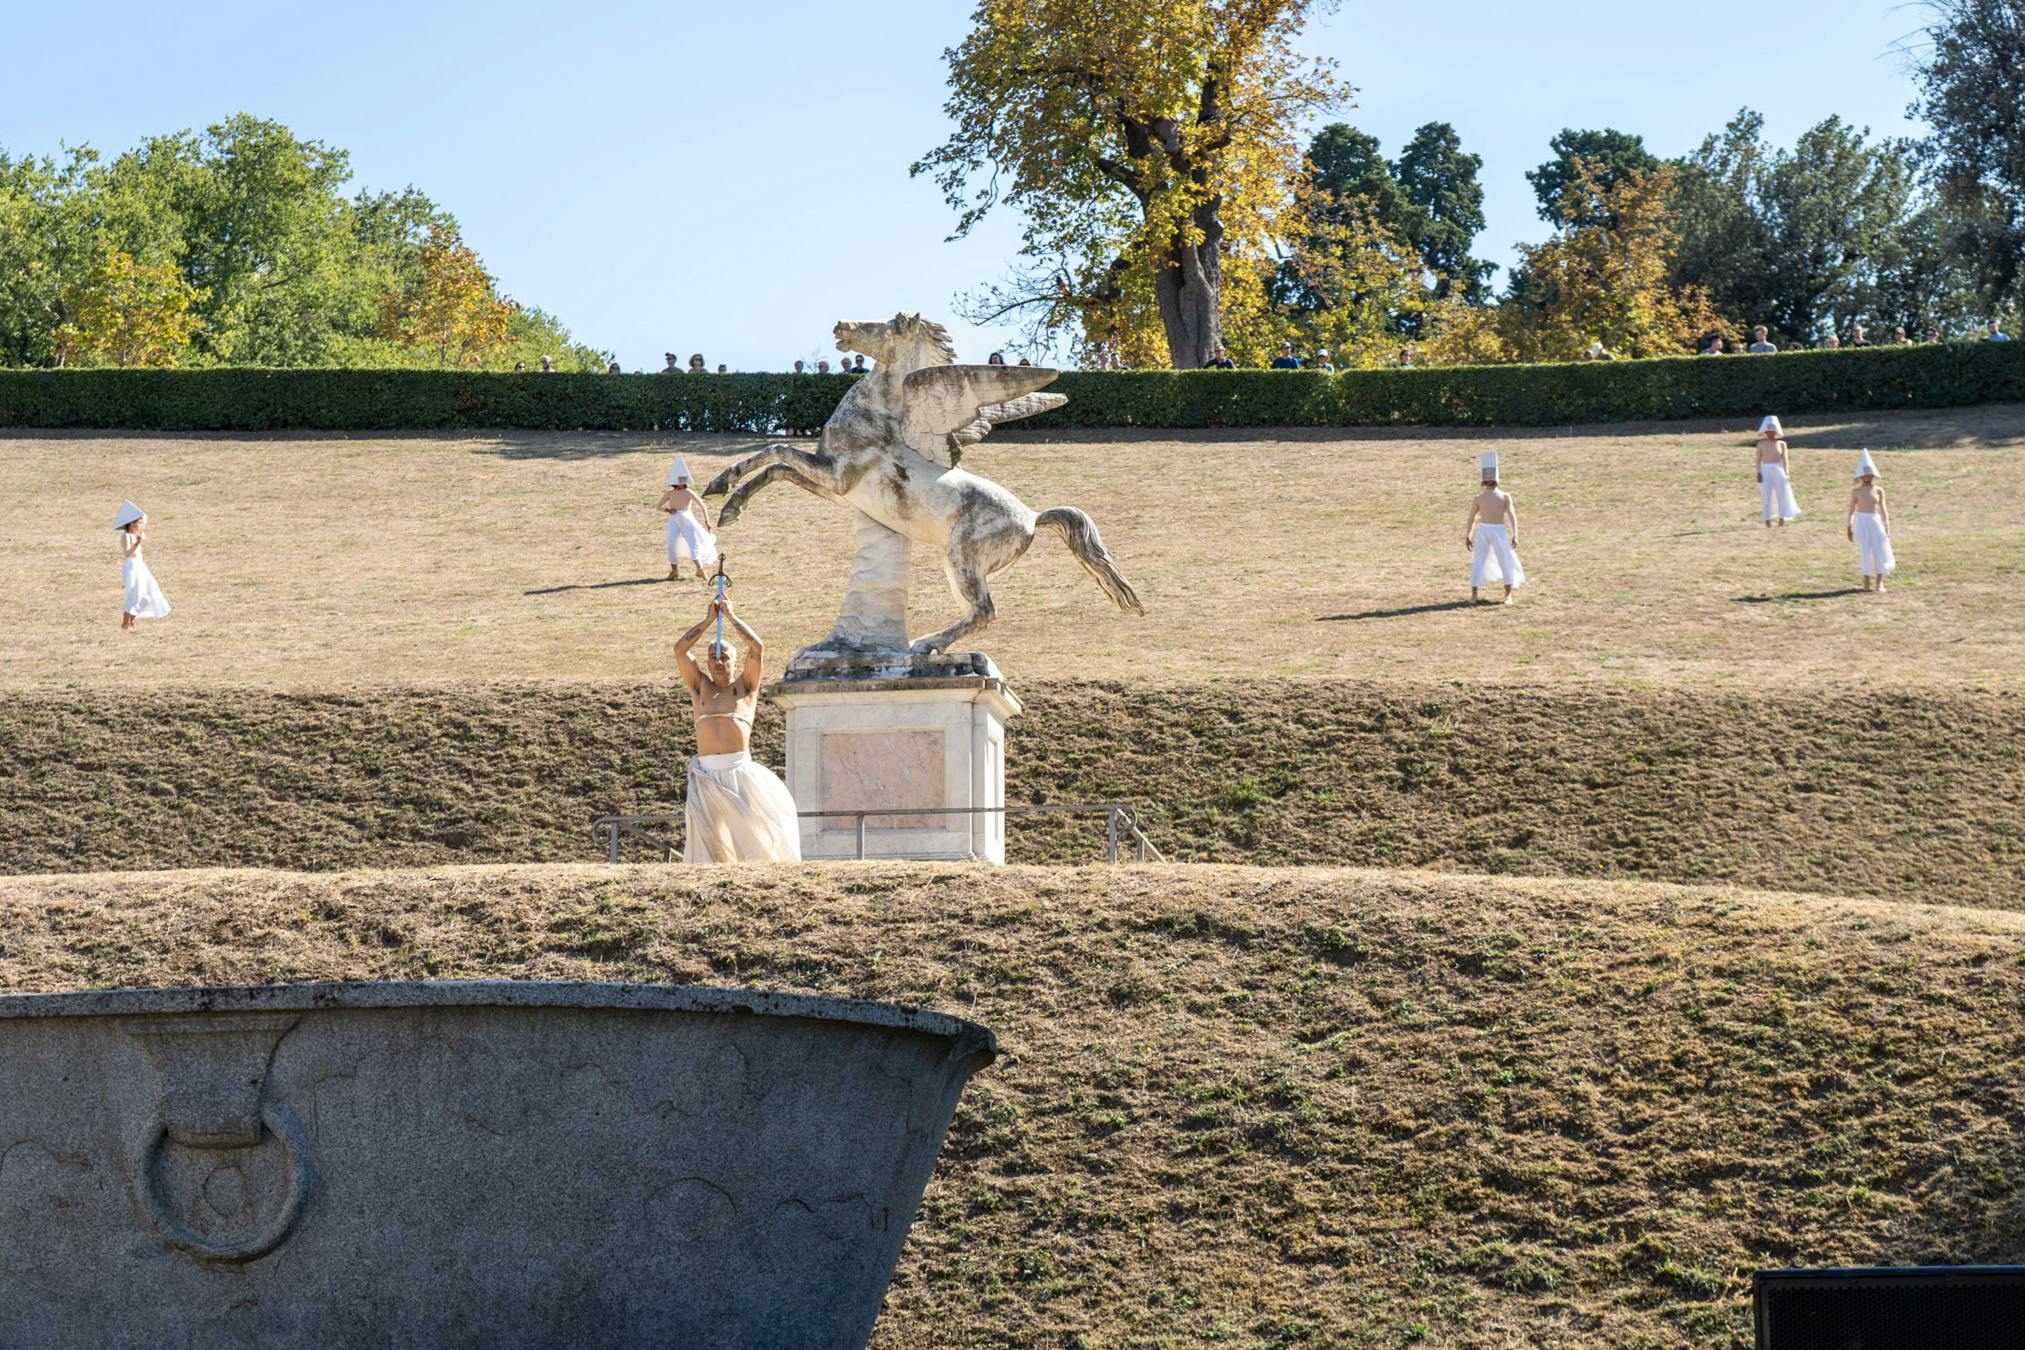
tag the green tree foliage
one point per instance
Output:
(1151, 146)
(1440, 182)
(1811, 240)
(125, 314)
(287, 270)
(1616, 155)
(1971, 76)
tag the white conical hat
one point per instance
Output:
(1488, 467)
(1866, 465)
(678, 472)
(1771, 424)
(129, 513)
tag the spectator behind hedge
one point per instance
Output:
(1856, 337)
(1759, 346)
(612, 369)
(1286, 360)
(1994, 333)
(995, 359)
(1219, 359)
(673, 366)
(1715, 348)
(1830, 343)
(696, 366)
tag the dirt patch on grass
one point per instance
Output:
(1259, 1107)
(1903, 795)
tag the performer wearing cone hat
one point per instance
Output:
(1775, 485)
(1869, 525)
(1491, 533)
(144, 598)
(691, 536)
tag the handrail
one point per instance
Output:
(1114, 813)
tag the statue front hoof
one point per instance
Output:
(727, 516)
(926, 647)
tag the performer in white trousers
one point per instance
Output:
(737, 810)
(1491, 534)
(144, 598)
(691, 536)
(1775, 484)
(1869, 525)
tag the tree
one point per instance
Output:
(1971, 79)
(1617, 155)
(126, 314)
(1604, 276)
(1351, 285)
(451, 310)
(1440, 182)
(1348, 178)
(1150, 145)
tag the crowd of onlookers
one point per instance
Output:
(1105, 357)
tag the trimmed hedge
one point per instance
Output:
(238, 399)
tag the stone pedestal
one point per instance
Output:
(899, 731)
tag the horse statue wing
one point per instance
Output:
(944, 408)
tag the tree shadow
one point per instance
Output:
(1401, 613)
(598, 585)
(1797, 595)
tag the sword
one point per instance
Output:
(722, 581)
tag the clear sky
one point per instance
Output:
(731, 178)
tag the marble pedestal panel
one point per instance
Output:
(899, 740)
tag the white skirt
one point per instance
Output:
(1494, 562)
(688, 541)
(1873, 546)
(144, 599)
(1775, 493)
(738, 811)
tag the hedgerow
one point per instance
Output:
(240, 399)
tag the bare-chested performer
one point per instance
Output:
(1869, 525)
(737, 811)
(1491, 532)
(690, 533)
(1775, 483)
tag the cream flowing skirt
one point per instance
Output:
(1494, 562)
(1873, 546)
(144, 598)
(688, 541)
(738, 811)
(1775, 493)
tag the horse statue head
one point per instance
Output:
(903, 342)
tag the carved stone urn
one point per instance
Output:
(497, 1164)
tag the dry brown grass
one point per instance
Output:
(1271, 1107)
(428, 560)
(1907, 796)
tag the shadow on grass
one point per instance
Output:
(1797, 595)
(597, 585)
(1399, 613)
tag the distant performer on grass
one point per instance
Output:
(737, 810)
(1775, 484)
(691, 536)
(144, 598)
(1869, 525)
(1492, 534)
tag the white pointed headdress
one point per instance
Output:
(1866, 465)
(1488, 467)
(129, 513)
(678, 473)
(1771, 425)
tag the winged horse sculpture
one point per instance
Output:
(890, 452)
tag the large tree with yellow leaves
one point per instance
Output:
(1152, 146)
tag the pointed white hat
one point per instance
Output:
(1866, 465)
(1488, 467)
(1771, 424)
(129, 513)
(678, 472)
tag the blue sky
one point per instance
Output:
(732, 178)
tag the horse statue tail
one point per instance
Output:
(1081, 537)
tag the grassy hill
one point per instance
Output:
(1274, 1107)
(1904, 795)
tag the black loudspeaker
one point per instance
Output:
(1891, 1308)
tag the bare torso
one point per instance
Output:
(1493, 507)
(679, 499)
(1771, 450)
(724, 716)
(1866, 501)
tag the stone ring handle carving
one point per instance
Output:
(177, 1235)
(212, 1071)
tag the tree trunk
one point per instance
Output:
(1189, 291)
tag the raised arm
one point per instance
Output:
(692, 678)
(754, 669)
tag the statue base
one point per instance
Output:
(890, 732)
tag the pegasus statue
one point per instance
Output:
(890, 453)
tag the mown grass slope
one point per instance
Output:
(1903, 795)
(1255, 1107)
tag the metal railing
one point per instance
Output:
(1119, 818)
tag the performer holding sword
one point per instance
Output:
(737, 810)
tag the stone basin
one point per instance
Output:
(447, 1163)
